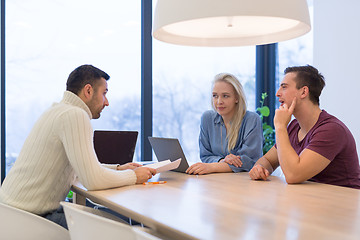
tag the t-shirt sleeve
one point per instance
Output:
(328, 140)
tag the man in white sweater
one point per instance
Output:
(60, 147)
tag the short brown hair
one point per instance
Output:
(82, 75)
(310, 77)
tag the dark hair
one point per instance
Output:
(310, 77)
(82, 75)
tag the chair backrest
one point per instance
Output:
(93, 224)
(17, 224)
(143, 234)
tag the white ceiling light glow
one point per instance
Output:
(230, 22)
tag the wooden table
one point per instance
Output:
(231, 206)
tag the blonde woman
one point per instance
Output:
(231, 137)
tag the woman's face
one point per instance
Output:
(224, 99)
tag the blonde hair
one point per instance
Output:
(240, 109)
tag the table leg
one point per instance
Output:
(79, 199)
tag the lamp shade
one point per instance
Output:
(229, 22)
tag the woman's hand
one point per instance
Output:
(201, 168)
(232, 160)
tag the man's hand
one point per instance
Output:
(144, 173)
(200, 168)
(130, 165)
(283, 115)
(233, 160)
(258, 172)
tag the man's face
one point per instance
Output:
(98, 101)
(287, 90)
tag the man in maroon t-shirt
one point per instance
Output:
(315, 146)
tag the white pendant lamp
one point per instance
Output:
(222, 23)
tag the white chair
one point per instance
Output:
(16, 224)
(93, 224)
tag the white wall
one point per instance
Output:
(337, 56)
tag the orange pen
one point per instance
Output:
(160, 182)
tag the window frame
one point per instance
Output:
(2, 93)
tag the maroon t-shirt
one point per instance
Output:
(330, 138)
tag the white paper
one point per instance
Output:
(164, 165)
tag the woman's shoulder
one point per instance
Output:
(251, 115)
(209, 114)
(208, 117)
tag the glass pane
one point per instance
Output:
(46, 40)
(182, 79)
(298, 51)
(295, 52)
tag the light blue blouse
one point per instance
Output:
(213, 142)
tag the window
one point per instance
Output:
(182, 79)
(298, 51)
(44, 45)
(295, 52)
(46, 40)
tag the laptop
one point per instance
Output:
(169, 148)
(115, 147)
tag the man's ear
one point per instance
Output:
(88, 91)
(304, 92)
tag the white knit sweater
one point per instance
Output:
(59, 146)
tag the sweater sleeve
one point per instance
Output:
(76, 134)
(111, 166)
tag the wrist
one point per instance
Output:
(214, 166)
(263, 162)
(222, 167)
(280, 128)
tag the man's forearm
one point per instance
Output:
(287, 156)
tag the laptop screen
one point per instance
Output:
(169, 148)
(115, 147)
